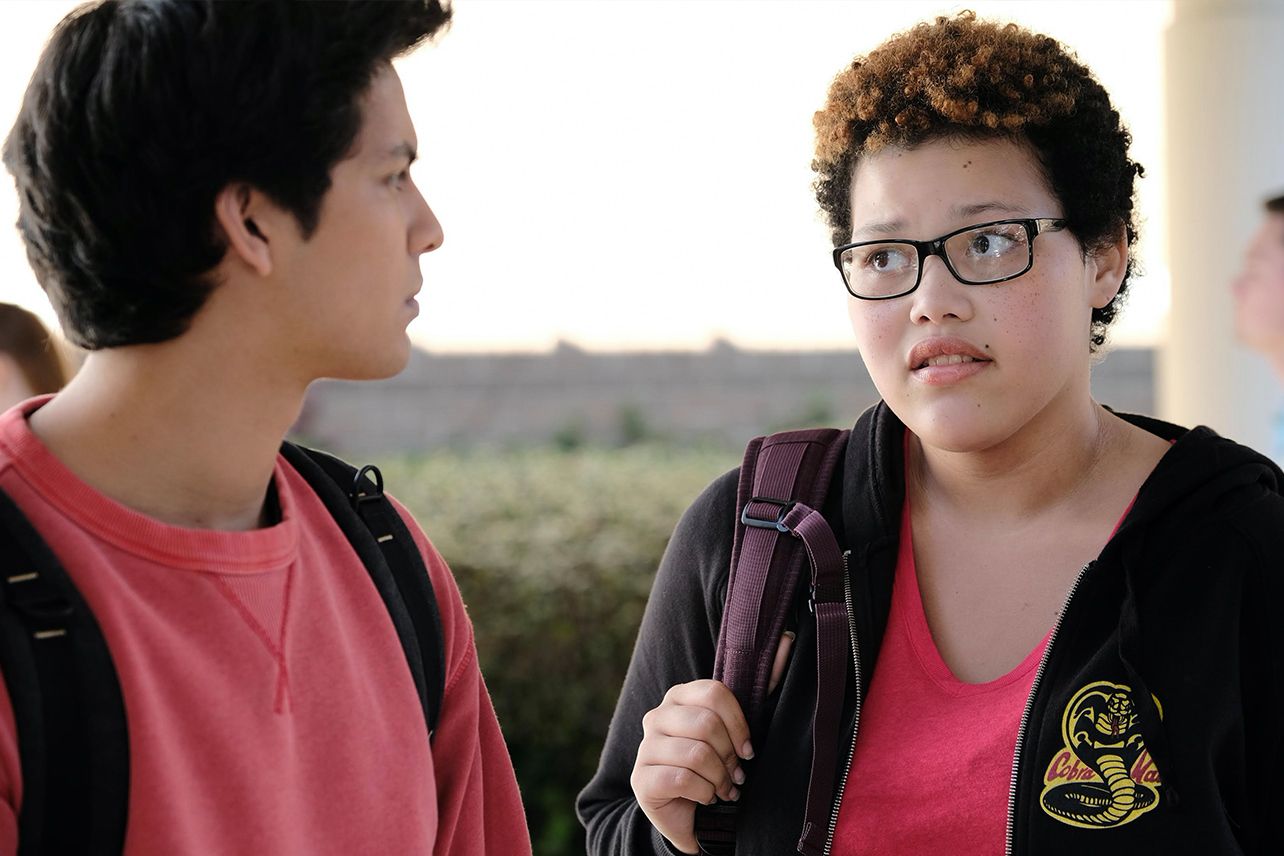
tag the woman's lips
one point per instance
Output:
(948, 373)
(943, 360)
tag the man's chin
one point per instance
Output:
(389, 364)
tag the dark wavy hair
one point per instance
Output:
(1276, 205)
(140, 111)
(961, 77)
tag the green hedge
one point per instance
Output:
(554, 553)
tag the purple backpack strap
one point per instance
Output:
(783, 481)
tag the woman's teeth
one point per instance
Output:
(949, 360)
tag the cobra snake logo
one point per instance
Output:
(1100, 728)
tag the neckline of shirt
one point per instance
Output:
(208, 550)
(919, 632)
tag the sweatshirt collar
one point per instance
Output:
(254, 551)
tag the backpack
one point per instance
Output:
(784, 479)
(73, 739)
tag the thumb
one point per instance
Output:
(782, 659)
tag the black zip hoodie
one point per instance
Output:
(1155, 722)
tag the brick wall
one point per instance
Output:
(720, 395)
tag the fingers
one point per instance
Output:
(694, 738)
(690, 753)
(658, 786)
(729, 729)
(668, 797)
(691, 749)
(782, 659)
(698, 757)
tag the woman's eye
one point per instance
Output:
(990, 244)
(885, 260)
(399, 180)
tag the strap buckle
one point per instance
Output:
(47, 610)
(361, 487)
(785, 506)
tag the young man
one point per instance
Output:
(216, 198)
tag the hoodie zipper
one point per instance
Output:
(1029, 705)
(851, 751)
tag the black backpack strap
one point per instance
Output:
(73, 741)
(72, 738)
(783, 480)
(376, 531)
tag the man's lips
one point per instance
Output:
(414, 294)
(412, 304)
(944, 351)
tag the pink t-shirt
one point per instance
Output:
(934, 757)
(269, 703)
(933, 763)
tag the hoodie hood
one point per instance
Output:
(1201, 475)
(1202, 471)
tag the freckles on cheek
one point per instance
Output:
(867, 330)
(1022, 317)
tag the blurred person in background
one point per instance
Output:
(217, 199)
(1064, 630)
(31, 362)
(1259, 303)
(1259, 289)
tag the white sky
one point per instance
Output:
(635, 173)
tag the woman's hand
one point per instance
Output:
(692, 745)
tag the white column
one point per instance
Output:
(1225, 132)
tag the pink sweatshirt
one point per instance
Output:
(269, 703)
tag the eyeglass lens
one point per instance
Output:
(977, 256)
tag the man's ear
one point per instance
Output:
(1109, 265)
(244, 214)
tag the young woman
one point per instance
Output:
(1064, 615)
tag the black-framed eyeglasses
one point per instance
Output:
(982, 254)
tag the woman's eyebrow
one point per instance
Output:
(962, 212)
(983, 207)
(890, 227)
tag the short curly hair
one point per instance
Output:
(971, 79)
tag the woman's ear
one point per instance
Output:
(1109, 265)
(243, 214)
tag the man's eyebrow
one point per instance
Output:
(403, 150)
